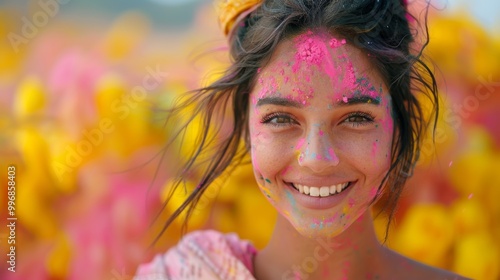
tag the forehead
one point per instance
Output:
(319, 53)
(318, 64)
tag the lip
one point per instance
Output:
(320, 203)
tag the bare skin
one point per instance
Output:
(320, 115)
(358, 255)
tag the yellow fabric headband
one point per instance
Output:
(232, 11)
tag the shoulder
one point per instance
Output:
(411, 269)
(204, 254)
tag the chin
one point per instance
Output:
(321, 233)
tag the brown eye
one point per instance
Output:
(356, 119)
(359, 118)
(281, 120)
(278, 119)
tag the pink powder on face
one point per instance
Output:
(349, 81)
(373, 192)
(332, 154)
(300, 143)
(345, 99)
(389, 122)
(351, 202)
(331, 219)
(321, 133)
(334, 43)
(288, 168)
(310, 51)
(300, 95)
(374, 150)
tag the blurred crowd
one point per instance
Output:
(82, 120)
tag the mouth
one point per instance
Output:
(324, 191)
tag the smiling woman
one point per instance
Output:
(324, 98)
(320, 133)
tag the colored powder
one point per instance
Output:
(310, 49)
(334, 43)
(332, 154)
(300, 143)
(470, 196)
(332, 219)
(321, 133)
(374, 151)
(344, 210)
(269, 181)
(373, 192)
(351, 202)
(286, 170)
(290, 198)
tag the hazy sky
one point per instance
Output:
(486, 11)
(178, 13)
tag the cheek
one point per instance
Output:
(267, 152)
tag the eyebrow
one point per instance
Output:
(280, 101)
(359, 99)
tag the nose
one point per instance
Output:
(318, 153)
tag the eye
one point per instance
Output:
(359, 118)
(279, 119)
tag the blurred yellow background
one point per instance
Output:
(81, 87)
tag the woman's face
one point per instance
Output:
(321, 132)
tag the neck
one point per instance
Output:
(350, 255)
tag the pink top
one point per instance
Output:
(202, 255)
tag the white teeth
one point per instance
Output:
(339, 187)
(324, 191)
(321, 191)
(313, 191)
(333, 189)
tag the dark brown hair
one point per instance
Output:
(380, 28)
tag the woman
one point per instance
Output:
(325, 96)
